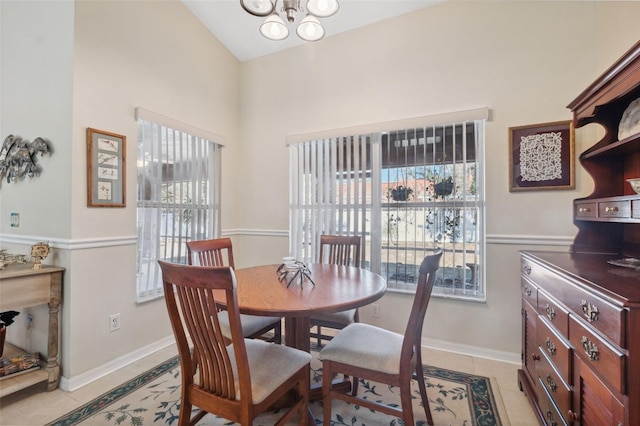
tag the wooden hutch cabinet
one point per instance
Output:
(581, 314)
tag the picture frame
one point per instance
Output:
(541, 156)
(106, 171)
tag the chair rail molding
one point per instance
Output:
(538, 240)
(66, 244)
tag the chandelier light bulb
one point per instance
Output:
(322, 8)
(274, 28)
(258, 7)
(310, 29)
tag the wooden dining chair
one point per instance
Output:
(339, 250)
(219, 252)
(236, 382)
(372, 353)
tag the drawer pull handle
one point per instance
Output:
(552, 384)
(551, 314)
(611, 210)
(552, 421)
(573, 416)
(590, 311)
(527, 290)
(550, 346)
(584, 210)
(527, 269)
(590, 349)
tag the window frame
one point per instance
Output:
(178, 195)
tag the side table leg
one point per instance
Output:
(53, 368)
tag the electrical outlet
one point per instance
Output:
(376, 310)
(15, 220)
(114, 322)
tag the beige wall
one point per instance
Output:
(524, 60)
(113, 56)
(91, 64)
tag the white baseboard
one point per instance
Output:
(76, 382)
(474, 351)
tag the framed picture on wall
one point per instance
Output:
(105, 169)
(541, 157)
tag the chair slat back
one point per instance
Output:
(340, 250)
(214, 252)
(426, 279)
(191, 303)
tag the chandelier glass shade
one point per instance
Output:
(258, 7)
(322, 8)
(274, 27)
(310, 29)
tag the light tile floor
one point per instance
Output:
(34, 406)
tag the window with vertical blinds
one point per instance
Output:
(178, 196)
(406, 191)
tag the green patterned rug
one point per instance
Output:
(152, 398)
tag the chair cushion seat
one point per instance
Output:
(270, 365)
(365, 345)
(250, 323)
(342, 317)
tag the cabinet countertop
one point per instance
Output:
(619, 285)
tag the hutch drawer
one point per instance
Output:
(604, 317)
(600, 355)
(554, 346)
(614, 209)
(556, 314)
(586, 210)
(551, 413)
(555, 385)
(529, 292)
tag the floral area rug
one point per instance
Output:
(153, 398)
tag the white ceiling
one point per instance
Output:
(239, 31)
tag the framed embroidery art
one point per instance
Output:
(541, 156)
(105, 169)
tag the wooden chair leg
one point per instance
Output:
(354, 386)
(406, 404)
(326, 394)
(185, 413)
(423, 389)
(319, 336)
(278, 337)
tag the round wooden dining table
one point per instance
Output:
(331, 288)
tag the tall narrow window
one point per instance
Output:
(178, 197)
(406, 192)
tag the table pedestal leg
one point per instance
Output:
(297, 335)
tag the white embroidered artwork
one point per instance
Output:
(540, 157)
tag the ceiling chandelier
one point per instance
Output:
(274, 27)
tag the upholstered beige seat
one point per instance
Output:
(219, 252)
(372, 353)
(340, 250)
(237, 381)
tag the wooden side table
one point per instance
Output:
(22, 287)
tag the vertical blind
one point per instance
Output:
(330, 191)
(178, 198)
